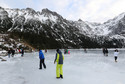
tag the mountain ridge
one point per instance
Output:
(53, 31)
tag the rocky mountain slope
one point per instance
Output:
(48, 29)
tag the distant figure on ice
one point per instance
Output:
(68, 52)
(45, 50)
(106, 51)
(103, 51)
(9, 52)
(116, 55)
(42, 59)
(19, 50)
(59, 59)
(22, 52)
(13, 52)
(65, 51)
(85, 50)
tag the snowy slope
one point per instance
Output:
(109, 27)
(89, 28)
(48, 24)
(87, 68)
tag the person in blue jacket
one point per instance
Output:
(42, 58)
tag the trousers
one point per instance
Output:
(42, 62)
(59, 70)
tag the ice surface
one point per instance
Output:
(79, 68)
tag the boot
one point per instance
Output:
(40, 68)
(57, 77)
(61, 76)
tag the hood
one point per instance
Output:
(40, 51)
(59, 52)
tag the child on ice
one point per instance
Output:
(116, 55)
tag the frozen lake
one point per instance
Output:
(79, 68)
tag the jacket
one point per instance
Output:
(41, 55)
(116, 54)
(59, 57)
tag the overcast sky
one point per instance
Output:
(87, 10)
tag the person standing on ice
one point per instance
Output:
(106, 51)
(59, 59)
(13, 52)
(116, 55)
(42, 58)
(22, 52)
(103, 51)
(45, 50)
(85, 50)
(9, 52)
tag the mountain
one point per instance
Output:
(5, 21)
(48, 29)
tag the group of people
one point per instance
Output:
(66, 51)
(58, 59)
(105, 52)
(11, 52)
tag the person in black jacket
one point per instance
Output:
(106, 52)
(9, 52)
(22, 52)
(103, 51)
(13, 52)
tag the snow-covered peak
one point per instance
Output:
(3, 13)
(47, 14)
(107, 27)
(30, 13)
(30, 10)
(115, 20)
(80, 20)
(46, 11)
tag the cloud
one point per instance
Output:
(102, 10)
(2, 4)
(87, 10)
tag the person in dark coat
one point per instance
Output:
(65, 51)
(9, 52)
(106, 52)
(42, 59)
(85, 50)
(22, 52)
(103, 51)
(13, 52)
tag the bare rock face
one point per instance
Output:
(0, 58)
(5, 21)
(3, 14)
(3, 60)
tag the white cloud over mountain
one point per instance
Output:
(88, 10)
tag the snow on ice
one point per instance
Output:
(79, 68)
